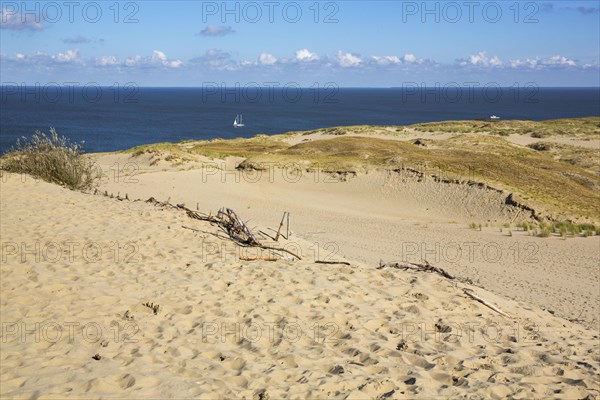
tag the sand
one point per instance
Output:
(229, 328)
(388, 216)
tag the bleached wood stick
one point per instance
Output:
(280, 226)
(332, 262)
(485, 303)
(417, 267)
(259, 258)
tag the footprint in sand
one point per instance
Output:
(126, 381)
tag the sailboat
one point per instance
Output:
(237, 123)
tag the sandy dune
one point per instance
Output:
(246, 329)
(388, 216)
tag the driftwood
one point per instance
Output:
(266, 258)
(486, 303)
(266, 234)
(228, 220)
(430, 268)
(416, 267)
(332, 262)
(280, 226)
(236, 229)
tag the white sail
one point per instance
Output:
(238, 121)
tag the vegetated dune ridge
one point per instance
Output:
(226, 327)
(552, 166)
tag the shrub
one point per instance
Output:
(540, 146)
(54, 159)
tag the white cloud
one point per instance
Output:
(67, 56)
(482, 60)
(537, 63)
(409, 58)
(157, 59)
(347, 60)
(266, 59)
(9, 19)
(559, 60)
(133, 61)
(212, 30)
(160, 58)
(386, 60)
(306, 55)
(106, 61)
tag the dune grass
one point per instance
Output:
(559, 228)
(561, 180)
(581, 127)
(53, 159)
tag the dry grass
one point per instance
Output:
(579, 127)
(562, 181)
(53, 159)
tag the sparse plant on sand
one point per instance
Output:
(475, 226)
(544, 231)
(52, 158)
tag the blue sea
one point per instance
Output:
(110, 118)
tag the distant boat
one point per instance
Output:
(237, 123)
(494, 117)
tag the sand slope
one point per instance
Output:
(243, 329)
(389, 216)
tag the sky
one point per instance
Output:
(305, 43)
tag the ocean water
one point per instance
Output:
(109, 118)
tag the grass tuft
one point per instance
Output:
(52, 158)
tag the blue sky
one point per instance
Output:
(347, 43)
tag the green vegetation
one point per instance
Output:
(475, 226)
(54, 159)
(559, 181)
(561, 228)
(580, 127)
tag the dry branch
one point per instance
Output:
(280, 226)
(482, 301)
(227, 220)
(265, 258)
(416, 267)
(236, 228)
(332, 262)
(278, 249)
(266, 234)
(430, 268)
